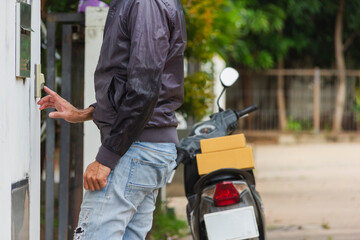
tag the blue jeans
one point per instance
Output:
(124, 208)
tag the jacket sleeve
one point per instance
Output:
(148, 30)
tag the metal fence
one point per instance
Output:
(310, 96)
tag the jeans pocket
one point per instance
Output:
(147, 174)
(144, 178)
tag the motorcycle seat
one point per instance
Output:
(222, 178)
(224, 175)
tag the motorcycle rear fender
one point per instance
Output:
(228, 174)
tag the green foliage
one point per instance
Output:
(325, 225)
(294, 125)
(251, 34)
(198, 95)
(200, 16)
(61, 6)
(243, 32)
(255, 34)
(167, 225)
(357, 103)
(298, 125)
(310, 25)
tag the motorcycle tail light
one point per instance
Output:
(225, 194)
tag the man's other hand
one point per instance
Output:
(95, 176)
(64, 109)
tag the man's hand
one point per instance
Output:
(64, 109)
(95, 176)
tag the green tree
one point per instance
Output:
(241, 31)
(249, 30)
(201, 17)
(251, 39)
(326, 35)
(260, 34)
(198, 89)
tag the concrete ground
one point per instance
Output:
(310, 191)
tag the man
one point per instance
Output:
(138, 85)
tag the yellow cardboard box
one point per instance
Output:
(223, 143)
(241, 158)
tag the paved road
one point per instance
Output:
(310, 191)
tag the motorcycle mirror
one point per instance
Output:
(228, 76)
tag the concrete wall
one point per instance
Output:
(94, 28)
(19, 121)
(219, 65)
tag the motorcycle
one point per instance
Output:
(222, 204)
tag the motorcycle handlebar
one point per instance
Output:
(181, 155)
(246, 110)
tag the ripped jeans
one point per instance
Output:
(124, 208)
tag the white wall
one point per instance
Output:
(95, 18)
(219, 65)
(19, 122)
(34, 156)
(7, 74)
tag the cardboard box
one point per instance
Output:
(240, 158)
(222, 143)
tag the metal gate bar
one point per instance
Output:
(65, 137)
(65, 147)
(50, 135)
(76, 131)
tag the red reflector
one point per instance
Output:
(225, 194)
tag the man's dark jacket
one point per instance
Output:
(140, 74)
